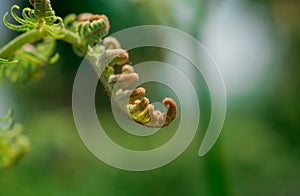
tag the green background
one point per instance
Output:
(258, 152)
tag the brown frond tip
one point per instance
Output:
(127, 69)
(92, 17)
(172, 110)
(111, 43)
(159, 119)
(116, 56)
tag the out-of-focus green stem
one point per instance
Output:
(29, 37)
(32, 36)
(73, 39)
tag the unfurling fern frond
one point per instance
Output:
(131, 102)
(90, 28)
(26, 56)
(13, 144)
(93, 31)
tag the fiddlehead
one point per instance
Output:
(12, 143)
(132, 102)
(90, 29)
(105, 55)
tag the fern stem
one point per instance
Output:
(32, 36)
(29, 37)
(73, 39)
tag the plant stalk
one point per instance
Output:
(11, 47)
(32, 36)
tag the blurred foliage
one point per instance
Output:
(13, 144)
(30, 62)
(282, 111)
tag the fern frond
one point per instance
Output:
(90, 29)
(42, 17)
(131, 102)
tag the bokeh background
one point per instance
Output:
(257, 47)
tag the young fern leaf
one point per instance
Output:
(41, 18)
(90, 28)
(13, 144)
(43, 11)
(25, 25)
